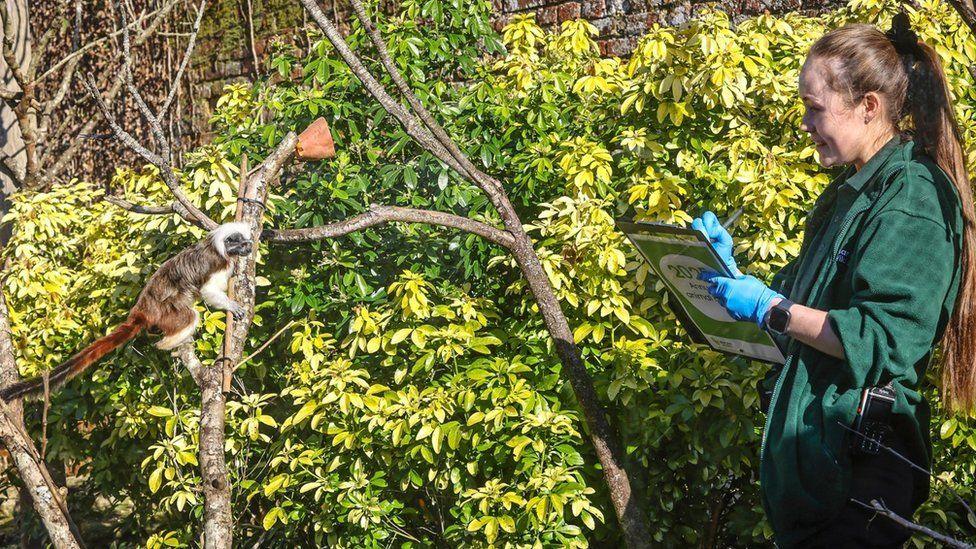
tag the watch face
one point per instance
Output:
(777, 319)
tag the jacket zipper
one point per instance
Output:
(769, 411)
(779, 379)
(843, 232)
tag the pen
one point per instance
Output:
(731, 219)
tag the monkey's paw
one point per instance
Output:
(238, 312)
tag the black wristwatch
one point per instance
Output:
(779, 317)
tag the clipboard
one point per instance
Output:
(676, 255)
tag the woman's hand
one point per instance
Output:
(719, 237)
(745, 297)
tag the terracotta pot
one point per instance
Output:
(315, 143)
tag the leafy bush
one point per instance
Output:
(415, 398)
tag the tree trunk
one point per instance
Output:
(14, 166)
(44, 494)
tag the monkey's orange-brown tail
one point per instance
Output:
(78, 363)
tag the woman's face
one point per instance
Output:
(838, 130)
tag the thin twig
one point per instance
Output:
(913, 465)
(92, 44)
(186, 60)
(418, 108)
(264, 345)
(147, 113)
(62, 160)
(883, 510)
(46, 378)
(410, 124)
(144, 210)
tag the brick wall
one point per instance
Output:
(224, 51)
(622, 22)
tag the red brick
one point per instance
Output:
(593, 9)
(547, 16)
(620, 47)
(569, 11)
(529, 4)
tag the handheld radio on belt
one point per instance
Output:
(872, 420)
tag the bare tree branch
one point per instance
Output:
(605, 439)
(147, 113)
(380, 214)
(911, 464)
(80, 51)
(173, 208)
(145, 210)
(966, 12)
(410, 124)
(39, 50)
(65, 157)
(473, 172)
(186, 60)
(883, 510)
(165, 169)
(45, 119)
(22, 110)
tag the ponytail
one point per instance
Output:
(928, 103)
(908, 74)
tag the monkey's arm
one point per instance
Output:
(214, 294)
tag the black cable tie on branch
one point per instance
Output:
(223, 359)
(251, 201)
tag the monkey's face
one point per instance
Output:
(237, 244)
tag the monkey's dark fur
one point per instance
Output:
(165, 304)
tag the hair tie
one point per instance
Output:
(902, 36)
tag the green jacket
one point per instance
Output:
(881, 254)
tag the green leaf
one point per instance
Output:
(160, 411)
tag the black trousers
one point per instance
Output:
(883, 477)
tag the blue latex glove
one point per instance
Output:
(744, 297)
(719, 237)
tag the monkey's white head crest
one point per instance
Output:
(232, 238)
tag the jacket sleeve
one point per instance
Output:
(901, 276)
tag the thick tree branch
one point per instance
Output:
(213, 470)
(418, 108)
(44, 492)
(883, 510)
(410, 124)
(609, 450)
(380, 214)
(966, 12)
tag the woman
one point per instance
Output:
(887, 249)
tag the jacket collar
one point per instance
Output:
(857, 179)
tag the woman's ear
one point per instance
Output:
(872, 105)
